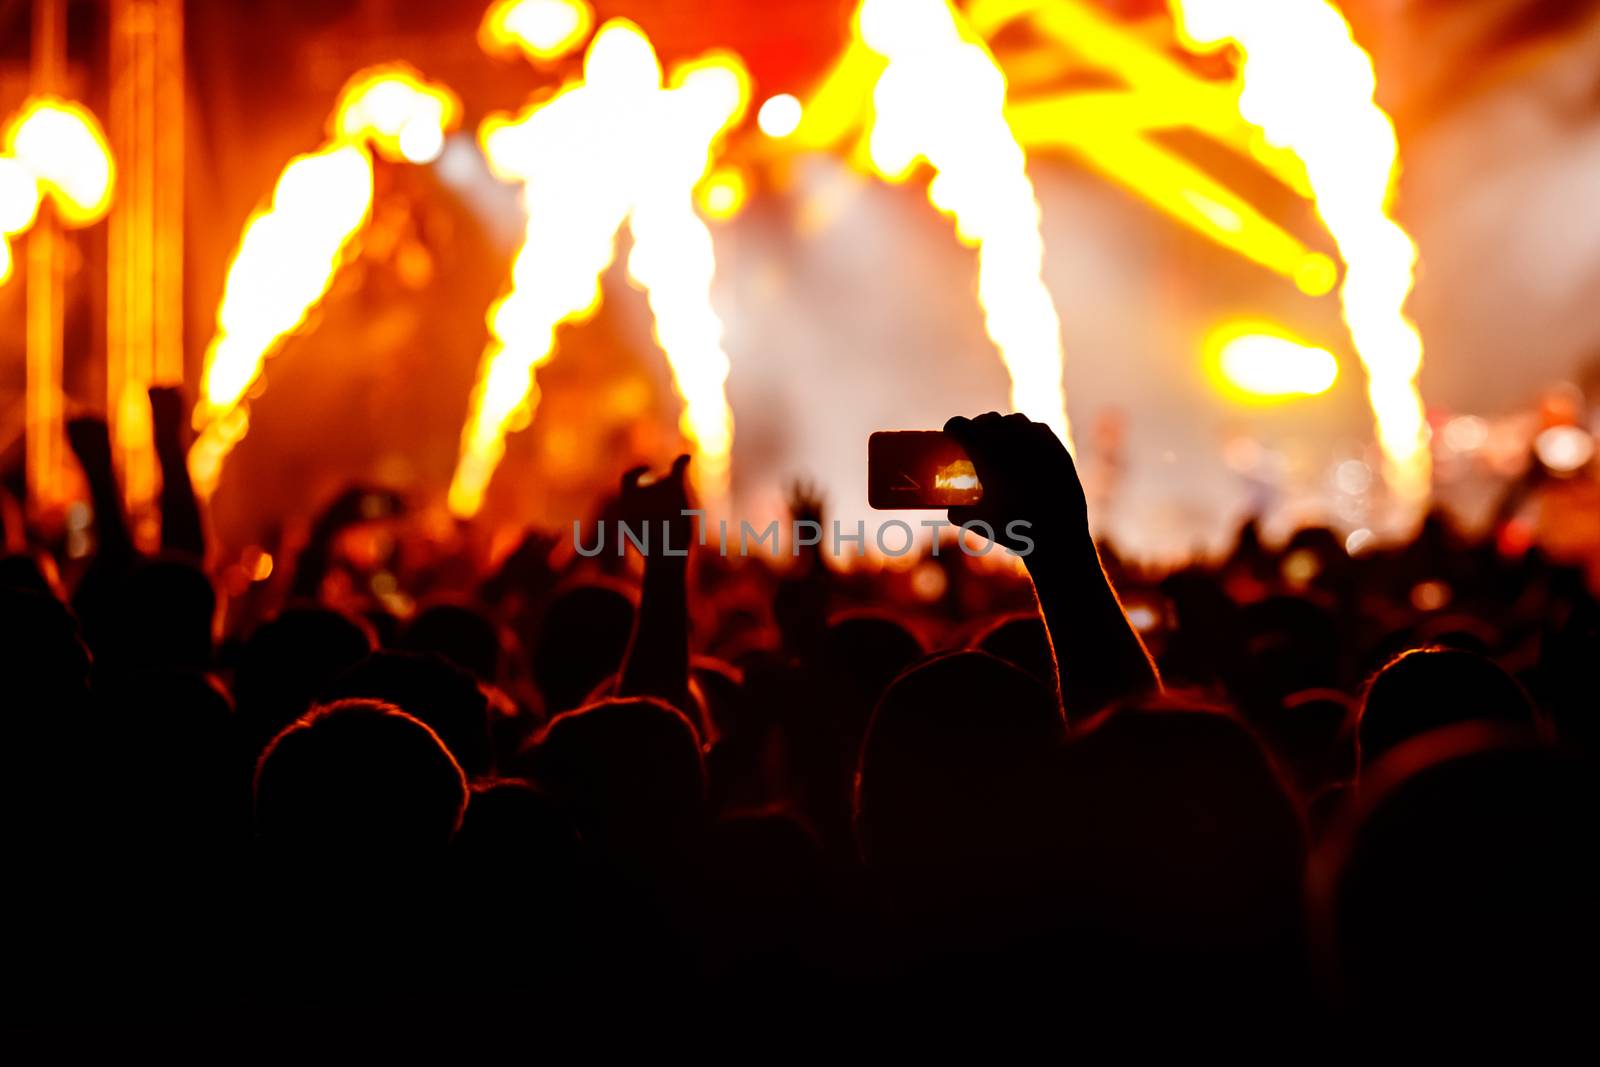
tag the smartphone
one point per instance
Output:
(919, 469)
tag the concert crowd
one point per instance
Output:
(1294, 782)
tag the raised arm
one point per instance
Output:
(657, 662)
(182, 529)
(1033, 503)
(91, 443)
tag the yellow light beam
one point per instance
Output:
(1093, 127)
(1169, 93)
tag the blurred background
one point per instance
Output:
(846, 303)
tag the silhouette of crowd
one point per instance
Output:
(1291, 787)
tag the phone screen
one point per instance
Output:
(919, 469)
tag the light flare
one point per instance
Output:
(941, 98)
(293, 247)
(538, 29)
(1309, 87)
(1270, 365)
(780, 115)
(60, 143)
(615, 147)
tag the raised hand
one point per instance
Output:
(1028, 477)
(182, 529)
(648, 501)
(657, 662)
(91, 443)
(169, 418)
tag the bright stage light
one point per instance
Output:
(780, 115)
(1564, 449)
(539, 29)
(62, 145)
(1270, 366)
(723, 193)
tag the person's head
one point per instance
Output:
(1022, 641)
(433, 689)
(44, 661)
(580, 643)
(36, 573)
(628, 771)
(1428, 688)
(867, 651)
(517, 845)
(950, 763)
(358, 778)
(1179, 831)
(163, 618)
(288, 661)
(1464, 881)
(461, 634)
(1293, 645)
(1312, 733)
(175, 778)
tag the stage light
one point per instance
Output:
(1309, 87)
(941, 98)
(722, 194)
(1270, 366)
(62, 145)
(1564, 449)
(1359, 541)
(1465, 433)
(396, 112)
(1316, 274)
(780, 116)
(539, 29)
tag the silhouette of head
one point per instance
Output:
(288, 661)
(629, 773)
(580, 643)
(358, 778)
(461, 634)
(433, 689)
(950, 763)
(162, 617)
(1427, 688)
(172, 734)
(26, 571)
(868, 651)
(1022, 641)
(1178, 830)
(1466, 881)
(43, 658)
